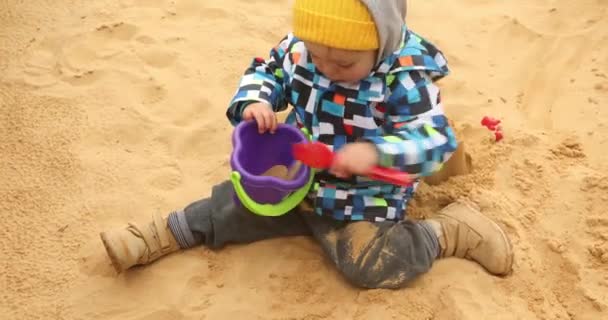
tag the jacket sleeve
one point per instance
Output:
(418, 138)
(263, 81)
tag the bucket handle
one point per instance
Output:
(271, 210)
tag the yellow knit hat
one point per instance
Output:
(343, 24)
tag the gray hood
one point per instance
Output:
(389, 16)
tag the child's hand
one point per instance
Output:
(263, 115)
(354, 158)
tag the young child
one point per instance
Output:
(363, 84)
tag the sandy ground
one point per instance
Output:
(111, 110)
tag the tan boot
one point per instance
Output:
(465, 232)
(139, 244)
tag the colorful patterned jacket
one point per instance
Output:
(397, 107)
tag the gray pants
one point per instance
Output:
(370, 255)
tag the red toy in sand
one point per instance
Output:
(492, 125)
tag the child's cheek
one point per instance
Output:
(358, 73)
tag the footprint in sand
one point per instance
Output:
(40, 69)
(151, 53)
(78, 55)
(105, 42)
(214, 13)
(166, 178)
(197, 283)
(199, 110)
(83, 58)
(152, 92)
(174, 40)
(145, 39)
(194, 298)
(157, 57)
(119, 31)
(84, 78)
(77, 63)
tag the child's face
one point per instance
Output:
(342, 65)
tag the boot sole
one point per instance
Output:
(107, 243)
(510, 256)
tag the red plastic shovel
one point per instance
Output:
(319, 156)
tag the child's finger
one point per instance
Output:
(268, 120)
(337, 166)
(259, 118)
(343, 174)
(340, 173)
(247, 114)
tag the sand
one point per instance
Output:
(112, 110)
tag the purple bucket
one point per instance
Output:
(254, 153)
